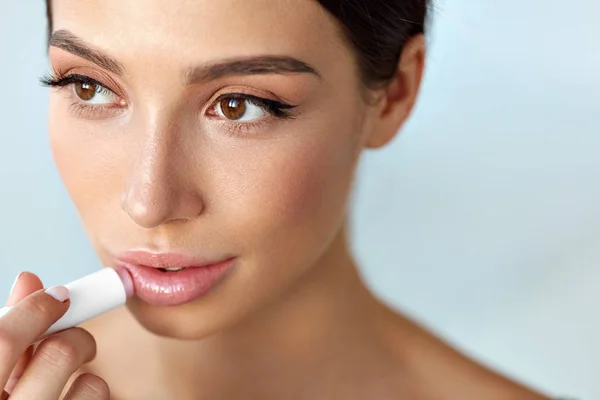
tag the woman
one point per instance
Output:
(210, 149)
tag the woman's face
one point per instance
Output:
(162, 158)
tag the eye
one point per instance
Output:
(239, 109)
(93, 93)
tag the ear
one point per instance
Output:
(398, 98)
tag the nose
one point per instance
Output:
(160, 188)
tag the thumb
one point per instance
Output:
(25, 284)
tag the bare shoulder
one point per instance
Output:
(440, 371)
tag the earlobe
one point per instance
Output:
(399, 97)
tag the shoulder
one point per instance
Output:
(442, 371)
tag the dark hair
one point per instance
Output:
(376, 29)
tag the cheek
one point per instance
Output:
(68, 153)
(88, 167)
(290, 197)
(308, 183)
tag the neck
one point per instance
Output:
(320, 325)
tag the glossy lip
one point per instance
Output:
(172, 288)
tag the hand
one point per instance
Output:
(42, 371)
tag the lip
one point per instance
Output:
(172, 288)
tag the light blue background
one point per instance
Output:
(481, 220)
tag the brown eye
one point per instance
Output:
(239, 109)
(85, 90)
(233, 108)
(94, 93)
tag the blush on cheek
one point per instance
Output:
(315, 184)
(303, 188)
(298, 192)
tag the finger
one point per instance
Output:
(54, 361)
(25, 284)
(18, 370)
(23, 324)
(88, 387)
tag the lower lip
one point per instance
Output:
(160, 288)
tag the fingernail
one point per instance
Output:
(60, 293)
(15, 282)
(10, 385)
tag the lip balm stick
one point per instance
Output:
(90, 296)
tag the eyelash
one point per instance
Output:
(80, 109)
(274, 108)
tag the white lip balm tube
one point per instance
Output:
(90, 296)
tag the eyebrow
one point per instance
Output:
(67, 41)
(253, 65)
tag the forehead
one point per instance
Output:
(200, 30)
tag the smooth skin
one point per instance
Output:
(151, 165)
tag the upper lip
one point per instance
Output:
(165, 260)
